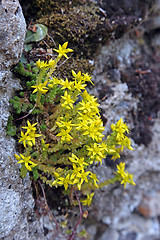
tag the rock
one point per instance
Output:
(12, 33)
(122, 98)
(16, 201)
(110, 234)
(149, 206)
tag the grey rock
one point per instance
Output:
(16, 201)
(115, 206)
(9, 209)
(110, 234)
(12, 33)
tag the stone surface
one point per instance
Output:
(110, 234)
(12, 32)
(114, 206)
(150, 205)
(16, 201)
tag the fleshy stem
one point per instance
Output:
(39, 94)
(80, 217)
(51, 70)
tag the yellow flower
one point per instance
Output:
(30, 127)
(120, 128)
(65, 181)
(62, 124)
(121, 168)
(64, 134)
(85, 107)
(81, 126)
(94, 178)
(41, 88)
(26, 160)
(77, 76)
(81, 177)
(53, 82)
(96, 151)
(51, 63)
(63, 50)
(94, 131)
(75, 171)
(87, 78)
(88, 201)
(41, 64)
(128, 178)
(78, 161)
(79, 86)
(33, 135)
(25, 139)
(68, 101)
(67, 84)
(29, 136)
(89, 104)
(124, 176)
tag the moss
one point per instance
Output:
(78, 65)
(38, 8)
(78, 22)
(81, 26)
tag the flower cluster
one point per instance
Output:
(41, 88)
(78, 175)
(43, 65)
(124, 176)
(74, 139)
(26, 160)
(29, 136)
(120, 128)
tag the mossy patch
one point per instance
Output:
(81, 26)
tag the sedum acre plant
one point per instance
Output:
(63, 136)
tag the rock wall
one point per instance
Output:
(16, 202)
(132, 213)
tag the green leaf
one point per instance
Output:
(23, 170)
(21, 94)
(11, 130)
(40, 33)
(35, 173)
(43, 127)
(27, 47)
(23, 59)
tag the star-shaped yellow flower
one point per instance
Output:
(26, 160)
(63, 50)
(41, 88)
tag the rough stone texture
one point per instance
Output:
(149, 206)
(16, 201)
(12, 31)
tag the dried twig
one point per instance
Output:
(30, 111)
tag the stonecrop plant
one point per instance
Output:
(62, 136)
